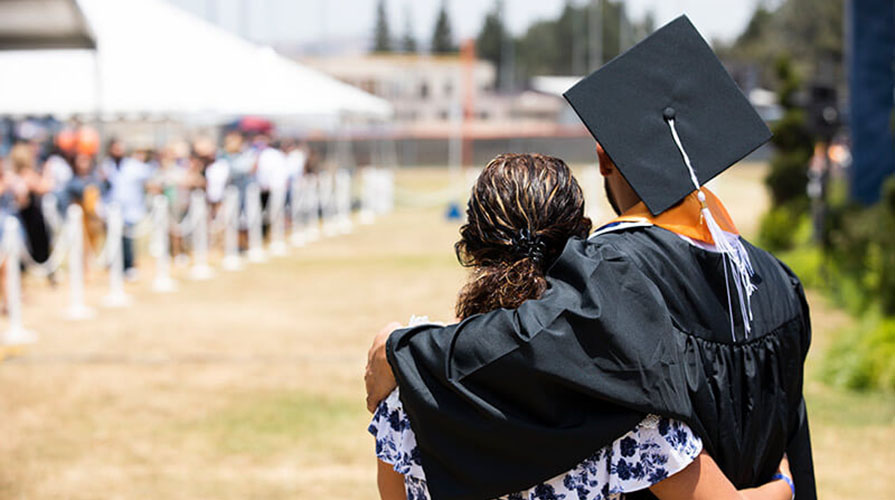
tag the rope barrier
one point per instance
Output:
(56, 258)
(309, 197)
(49, 206)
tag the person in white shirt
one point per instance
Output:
(296, 159)
(271, 173)
(125, 181)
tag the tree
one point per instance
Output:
(442, 38)
(408, 41)
(382, 40)
(793, 142)
(559, 46)
(811, 31)
(491, 44)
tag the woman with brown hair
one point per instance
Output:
(28, 186)
(523, 210)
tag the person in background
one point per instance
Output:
(84, 189)
(214, 172)
(28, 186)
(271, 171)
(126, 181)
(59, 164)
(241, 162)
(170, 178)
(296, 159)
(7, 208)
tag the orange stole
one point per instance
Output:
(685, 218)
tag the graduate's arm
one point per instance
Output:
(389, 482)
(703, 480)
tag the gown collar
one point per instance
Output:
(684, 219)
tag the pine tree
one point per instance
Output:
(408, 41)
(442, 38)
(494, 44)
(489, 43)
(382, 37)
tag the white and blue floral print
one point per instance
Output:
(655, 449)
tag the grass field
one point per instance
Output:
(250, 385)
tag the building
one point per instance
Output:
(431, 93)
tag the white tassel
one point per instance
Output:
(732, 250)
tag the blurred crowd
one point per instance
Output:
(41, 178)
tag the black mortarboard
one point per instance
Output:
(672, 74)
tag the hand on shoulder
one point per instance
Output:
(378, 377)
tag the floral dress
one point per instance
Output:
(653, 450)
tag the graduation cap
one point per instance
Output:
(664, 100)
(671, 119)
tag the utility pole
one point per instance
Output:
(507, 55)
(577, 46)
(595, 34)
(622, 27)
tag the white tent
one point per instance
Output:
(154, 59)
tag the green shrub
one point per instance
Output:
(793, 143)
(862, 248)
(862, 253)
(808, 264)
(863, 358)
(783, 227)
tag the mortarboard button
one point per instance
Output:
(668, 113)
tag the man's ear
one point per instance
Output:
(606, 165)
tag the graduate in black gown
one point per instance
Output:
(666, 310)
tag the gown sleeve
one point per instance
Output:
(654, 450)
(798, 450)
(512, 397)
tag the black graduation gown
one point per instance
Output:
(634, 322)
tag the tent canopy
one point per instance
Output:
(43, 24)
(157, 60)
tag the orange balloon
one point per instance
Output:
(88, 141)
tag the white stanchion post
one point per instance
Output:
(276, 210)
(162, 282)
(384, 197)
(253, 215)
(343, 201)
(326, 192)
(49, 205)
(297, 235)
(389, 181)
(368, 196)
(77, 308)
(115, 253)
(13, 246)
(230, 207)
(199, 212)
(311, 204)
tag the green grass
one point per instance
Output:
(282, 421)
(836, 407)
